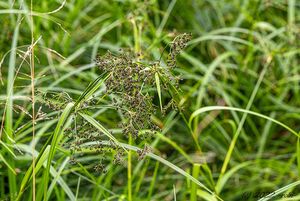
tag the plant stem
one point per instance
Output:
(129, 171)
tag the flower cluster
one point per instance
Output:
(178, 44)
(131, 86)
(131, 81)
(128, 83)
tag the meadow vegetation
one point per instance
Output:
(149, 100)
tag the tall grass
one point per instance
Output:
(228, 131)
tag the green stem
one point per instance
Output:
(129, 171)
(195, 174)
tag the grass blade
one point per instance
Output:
(158, 90)
(58, 131)
(58, 179)
(211, 108)
(223, 180)
(195, 173)
(91, 88)
(279, 191)
(7, 164)
(101, 128)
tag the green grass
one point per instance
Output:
(231, 132)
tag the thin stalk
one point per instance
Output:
(8, 120)
(33, 102)
(129, 171)
(195, 174)
(153, 181)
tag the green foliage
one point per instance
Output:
(149, 100)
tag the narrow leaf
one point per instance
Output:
(91, 88)
(211, 108)
(7, 164)
(58, 131)
(97, 125)
(158, 90)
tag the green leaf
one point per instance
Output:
(158, 89)
(91, 88)
(97, 125)
(42, 158)
(222, 180)
(7, 164)
(206, 196)
(279, 191)
(195, 173)
(58, 179)
(211, 108)
(57, 132)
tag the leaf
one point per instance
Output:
(7, 148)
(195, 173)
(206, 196)
(39, 159)
(58, 131)
(223, 179)
(91, 88)
(279, 191)
(158, 90)
(97, 125)
(211, 108)
(298, 155)
(58, 179)
(43, 156)
(7, 164)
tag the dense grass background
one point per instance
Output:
(240, 93)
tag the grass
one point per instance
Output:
(228, 131)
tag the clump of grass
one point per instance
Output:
(240, 93)
(130, 85)
(131, 80)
